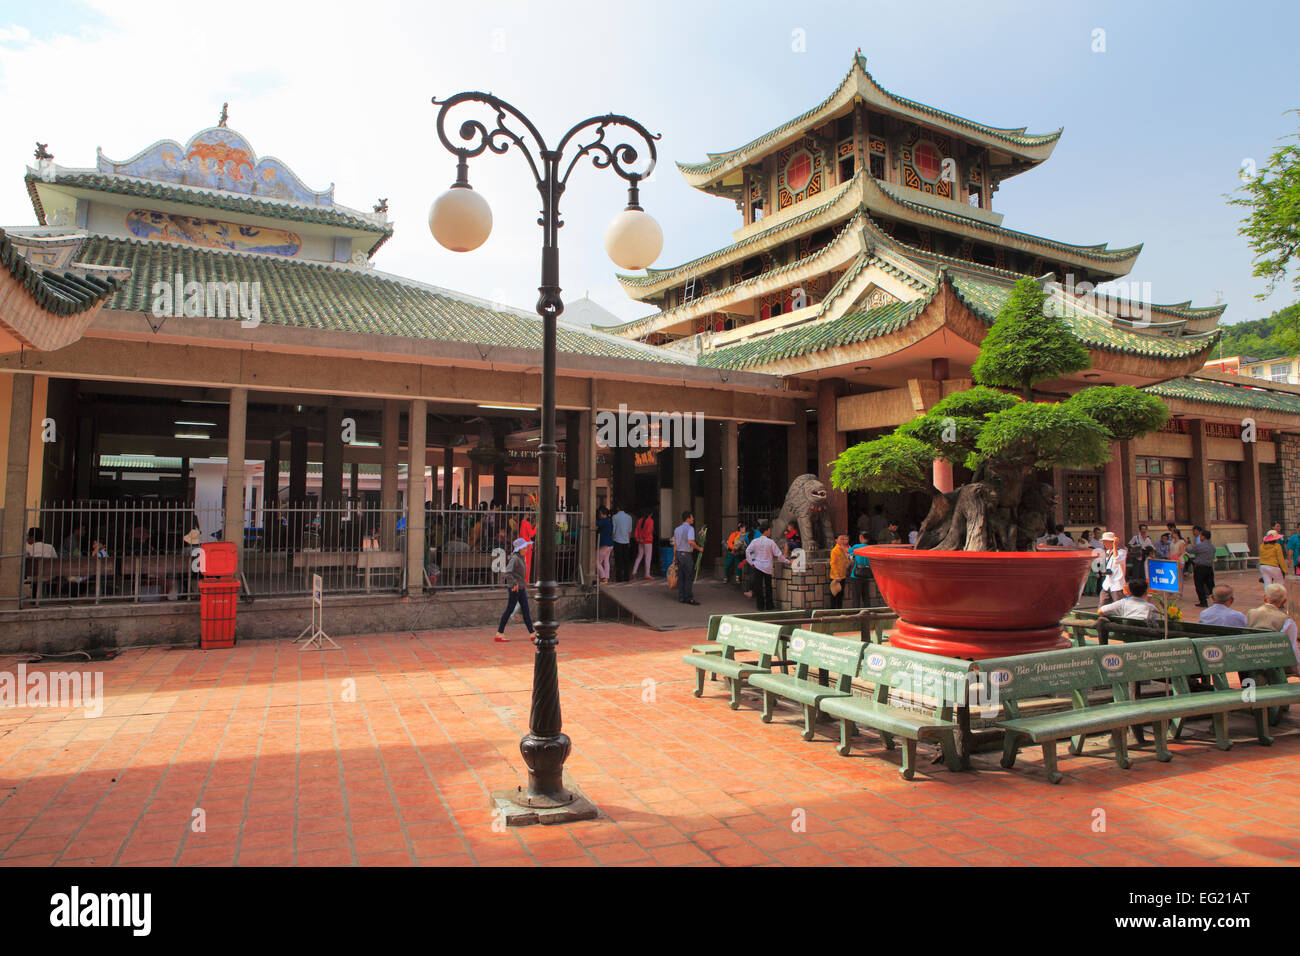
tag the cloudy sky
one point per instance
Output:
(1157, 124)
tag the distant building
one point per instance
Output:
(1284, 370)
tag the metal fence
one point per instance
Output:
(97, 551)
(93, 552)
(468, 548)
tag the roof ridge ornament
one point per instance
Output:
(225, 115)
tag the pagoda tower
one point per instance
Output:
(870, 262)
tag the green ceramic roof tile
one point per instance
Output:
(982, 296)
(1014, 137)
(816, 336)
(62, 292)
(1096, 330)
(207, 198)
(1206, 391)
(345, 299)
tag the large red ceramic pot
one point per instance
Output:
(977, 604)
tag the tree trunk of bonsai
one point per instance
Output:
(1002, 510)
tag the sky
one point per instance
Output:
(1162, 103)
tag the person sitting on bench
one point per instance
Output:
(1220, 611)
(1133, 605)
(1272, 615)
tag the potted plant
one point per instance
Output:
(973, 585)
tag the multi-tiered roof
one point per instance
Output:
(860, 217)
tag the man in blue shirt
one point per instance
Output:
(1220, 610)
(1293, 548)
(684, 548)
(862, 578)
(623, 525)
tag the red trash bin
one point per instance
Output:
(217, 603)
(218, 558)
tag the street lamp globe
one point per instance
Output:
(633, 239)
(460, 219)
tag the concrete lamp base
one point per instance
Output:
(514, 806)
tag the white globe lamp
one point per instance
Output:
(460, 219)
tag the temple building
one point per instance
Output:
(869, 263)
(195, 345)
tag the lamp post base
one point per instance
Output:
(516, 808)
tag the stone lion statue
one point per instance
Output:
(805, 505)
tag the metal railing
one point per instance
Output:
(99, 552)
(469, 548)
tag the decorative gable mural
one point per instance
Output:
(212, 233)
(217, 158)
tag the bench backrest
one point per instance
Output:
(715, 621)
(762, 637)
(1088, 621)
(1039, 675)
(1222, 552)
(1239, 549)
(837, 655)
(1122, 664)
(1266, 650)
(943, 678)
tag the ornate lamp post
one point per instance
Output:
(461, 220)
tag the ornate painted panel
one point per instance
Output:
(924, 153)
(799, 172)
(212, 233)
(217, 158)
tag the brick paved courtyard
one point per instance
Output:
(288, 770)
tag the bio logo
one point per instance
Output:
(724, 629)
(1213, 654)
(876, 661)
(1112, 662)
(1000, 678)
(798, 644)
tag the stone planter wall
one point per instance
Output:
(795, 591)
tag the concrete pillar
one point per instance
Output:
(584, 444)
(942, 476)
(681, 483)
(236, 431)
(271, 475)
(390, 450)
(796, 456)
(830, 443)
(572, 459)
(13, 535)
(1197, 481)
(331, 472)
(729, 466)
(415, 548)
(1251, 499)
(448, 473)
(354, 482)
(713, 481)
(298, 464)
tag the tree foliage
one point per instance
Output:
(1272, 227)
(1028, 344)
(1124, 411)
(889, 464)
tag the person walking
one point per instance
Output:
(1272, 559)
(1113, 569)
(762, 554)
(644, 535)
(1203, 568)
(622, 523)
(604, 543)
(516, 589)
(841, 565)
(684, 548)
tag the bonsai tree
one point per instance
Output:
(1002, 435)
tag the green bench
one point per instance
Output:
(1077, 671)
(1251, 656)
(733, 634)
(921, 676)
(808, 649)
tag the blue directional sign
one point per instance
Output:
(1163, 575)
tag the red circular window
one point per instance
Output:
(799, 171)
(928, 162)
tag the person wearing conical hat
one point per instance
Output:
(516, 588)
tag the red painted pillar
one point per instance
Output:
(830, 442)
